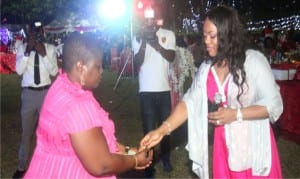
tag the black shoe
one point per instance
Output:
(18, 174)
(167, 167)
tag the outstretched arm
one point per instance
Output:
(93, 152)
(178, 117)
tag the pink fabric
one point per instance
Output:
(67, 109)
(220, 153)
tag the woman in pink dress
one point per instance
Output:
(235, 90)
(75, 137)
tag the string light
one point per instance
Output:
(190, 24)
(280, 24)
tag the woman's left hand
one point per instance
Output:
(222, 116)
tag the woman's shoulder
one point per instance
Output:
(255, 57)
(256, 62)
(254, 52)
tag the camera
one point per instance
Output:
(149, 33)
(39, 37)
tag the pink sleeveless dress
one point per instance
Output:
(220, 153)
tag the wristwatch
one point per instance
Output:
(127, 148)
(239, 115)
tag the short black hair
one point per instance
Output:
(79, 47)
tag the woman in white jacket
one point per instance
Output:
(235, 90)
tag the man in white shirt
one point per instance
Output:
(154, 50)
(35, 61)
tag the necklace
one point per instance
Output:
(219, 97)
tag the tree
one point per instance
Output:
(29, 11)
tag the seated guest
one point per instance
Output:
(289, 44)
(269, 47)
(75, 137)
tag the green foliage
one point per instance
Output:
(28, 11)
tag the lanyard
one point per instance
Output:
(221, 88)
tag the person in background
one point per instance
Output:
(269, 48)
(196, 50)
(235, 90)
(18, 43)
(268, 31)
(35, 61)
(289, 44)
(154, 49)
(75, 137)
(3, 47)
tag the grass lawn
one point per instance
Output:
(123, 106)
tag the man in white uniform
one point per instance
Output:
(35, 61)
(154, 50)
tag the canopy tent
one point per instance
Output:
(72, 22)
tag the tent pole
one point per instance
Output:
(130, 56)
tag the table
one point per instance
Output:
(286, 71)
(290, 118)
(8, 63)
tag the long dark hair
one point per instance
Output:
(232, 43)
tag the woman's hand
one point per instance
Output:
(222, 116)
(152, 138)
(143, 159)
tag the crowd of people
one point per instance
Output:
(277, 45)
(77, 139)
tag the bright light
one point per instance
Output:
(140, 5)
(149, 12)
(37, 24)
(160, 22)
(112, 9)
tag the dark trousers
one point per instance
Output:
(155, 108)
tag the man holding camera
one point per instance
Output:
(36, 61)
(154, 50)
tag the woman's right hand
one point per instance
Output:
(152, 138)
(143, 159)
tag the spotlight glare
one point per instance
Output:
(113, 9)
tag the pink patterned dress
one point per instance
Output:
(67, 109)
(220, 153)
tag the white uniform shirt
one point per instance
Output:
(25, 66)
(153, 74)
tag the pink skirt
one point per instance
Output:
(220, 156)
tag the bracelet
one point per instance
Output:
(169, 127)
(127, 148)
(239, 115)
(136, 162)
